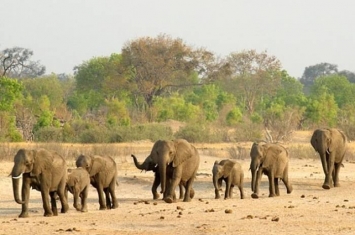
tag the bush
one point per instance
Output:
(201, 133)
(94, 135)
(49, 134)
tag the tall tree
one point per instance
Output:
(314, 71)
(253, 75)
(159, 65)
(16, 62)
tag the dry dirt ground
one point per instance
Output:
(309, 209)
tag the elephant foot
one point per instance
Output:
(272, 195)
(187, 200)
(289, 190)
(64, 209)
(326, 186)
(102, 208)
(115, 205)
(168, 200)
(255, 196)
(23, 215)
(337, 185)
(84, 209)
(48, 214)
(156, 196)
(192, 193)
(217, 197)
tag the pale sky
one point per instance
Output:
(65, 33)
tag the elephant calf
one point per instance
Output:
(232, 173)
(78, 184)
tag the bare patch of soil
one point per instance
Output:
(309, 209)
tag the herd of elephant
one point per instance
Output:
(174, 162)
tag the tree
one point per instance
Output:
(16, 63)
(253, 76)
(159, 66)
(10, 90)
(339, 86)
(311, 73)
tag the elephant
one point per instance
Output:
(232, 173)
(45, 171)
(78, 184)
(182, 159)
(103, 177)
(148, 165)
(271, 159)
(331, 145)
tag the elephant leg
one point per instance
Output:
(63, 196)
(330, 163)
(271, 185)
(228, 187)
(192, 193)
(25, 195)
(112, 192)
(231, 191)
(189, 183)
(336, 174)
(155, 187)
(218, 188)
(45, 200)
(76, 195)
(241, 190)
(170, 189)
(258, 179)
(276, 183)
(53, 196)
(108, 199)
(84, 197)
(285, 180)
(181, 191)
(100, 193)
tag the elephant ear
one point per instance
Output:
(97, 164)
(227, 168)
(184, 150)
(42, 159)
(273, 151)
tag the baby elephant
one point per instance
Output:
(78, 184)
(232, 173)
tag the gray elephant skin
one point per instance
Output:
(272, 160)
(103, 177)
(148, 165)
(44, 171)
(78, 183)
(182, 159)
(231, 172)
(331, 145)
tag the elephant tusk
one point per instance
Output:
(17, 177)
(327, 151)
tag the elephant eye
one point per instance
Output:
(27, 163)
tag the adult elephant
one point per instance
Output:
(149, 165)
(182, 159)
(232, 173)
(44, 171)
(272, 160)
(103, 177)
(331, 146)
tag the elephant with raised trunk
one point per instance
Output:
(78, 184)
(272, 160)
(148, 165)
(44, 171)
(331, 146)
(103, 177)
(232, 173)
(182, 159)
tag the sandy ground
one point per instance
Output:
(308, 210)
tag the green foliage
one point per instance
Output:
(175, 107)
(10, 90)
(339, 86)
(234, 116)
(197, 132)
(322, 110)
(49, 134)
(117, 113)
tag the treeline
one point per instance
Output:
(132, 94)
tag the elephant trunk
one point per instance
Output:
(323, 151)
(162, 171)
(254, 169)
(140, 166)
(16, 175)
